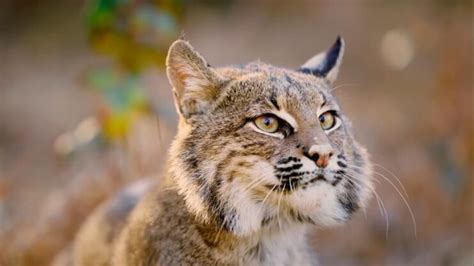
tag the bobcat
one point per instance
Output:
(261, 154)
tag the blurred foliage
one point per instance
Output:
(134, 35)
(124, 100)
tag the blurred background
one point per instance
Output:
(85, 108)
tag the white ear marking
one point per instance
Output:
(194, 82)
(326, 64)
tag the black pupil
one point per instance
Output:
(267, 121)
(322, 119)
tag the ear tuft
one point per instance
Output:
(195, 83)
(326, 64)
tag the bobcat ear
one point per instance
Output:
(195, 83)
(326, 64)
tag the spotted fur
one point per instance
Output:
(237, 195)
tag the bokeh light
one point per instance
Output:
(397, 49)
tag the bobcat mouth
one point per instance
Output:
(319, 177)
(293, 183)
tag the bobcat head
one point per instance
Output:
(259, 146)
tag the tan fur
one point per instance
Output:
(234, 194)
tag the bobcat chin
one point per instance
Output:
(261, 155)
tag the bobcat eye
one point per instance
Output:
(327, 120)
(268, 123)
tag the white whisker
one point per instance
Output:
(394, 176)
(342, 85)
(262, 204)
(382, 209)
(268, 194)
(405, 201)
(253, 184)
(220, 230)
(171, 188)
(278, 212)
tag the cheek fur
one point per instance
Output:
(247, 214)
(244, 175)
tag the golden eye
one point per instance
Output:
(267, 123)
(327, 120)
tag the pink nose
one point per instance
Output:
(320, 154)
(322, 160)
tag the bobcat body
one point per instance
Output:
(262, 154)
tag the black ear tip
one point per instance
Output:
(339, 42)
(335, 50)
(321, 64)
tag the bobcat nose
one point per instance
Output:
(320, 154)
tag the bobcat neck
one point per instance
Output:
(274, 244)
